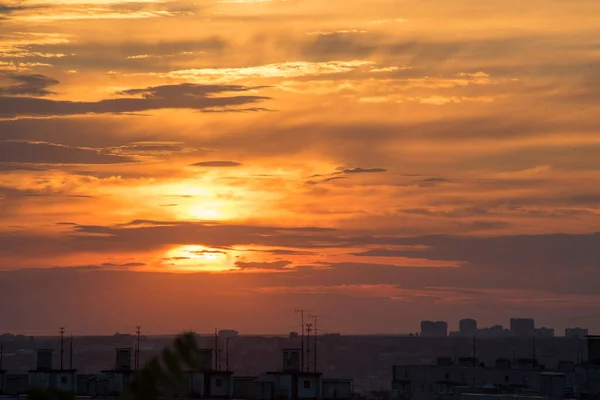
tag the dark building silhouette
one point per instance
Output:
(576, 333)
(544, 332)
(522, 327)
(593, 349)
(467, 327)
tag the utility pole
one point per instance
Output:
(308, 330)
(138, 331)
(62, 351)
(316, 337)
(301, 312)
(71, 353)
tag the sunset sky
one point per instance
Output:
(186, 164)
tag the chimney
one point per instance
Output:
(291, 360)
(123, 360)
(44, 359)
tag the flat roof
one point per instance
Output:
(513, 367)
(56, 371)
(209, 371)
(306, 373)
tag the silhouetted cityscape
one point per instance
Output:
(431, 364)
(519, 327)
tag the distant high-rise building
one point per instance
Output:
(494, 331)
(434, 328)
(576, 333)
(467, 327)
(544, 332)
(523, 327)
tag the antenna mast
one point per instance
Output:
(316, 337)
(227, 353)
(301, 312)
(62, 351)
(71, 353)
(137, 347)
(308, 331)
(216, 351)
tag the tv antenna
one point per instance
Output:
(316, 336)
(138, 331)
(301, 312)
(62, 336)
(308, 331)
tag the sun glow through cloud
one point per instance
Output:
(413, 154)
(199, 259)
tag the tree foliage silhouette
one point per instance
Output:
(163, 376)
(167, 374)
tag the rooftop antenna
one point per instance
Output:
(301, 312)
(62, 351)
(219, 356)
(71, 353)
(138, 331)
(216, 351)
(308, 331)
(227, 353)
(316, 336)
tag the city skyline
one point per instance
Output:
(186, 164)
(452, 329)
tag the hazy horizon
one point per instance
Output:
(326, 326)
